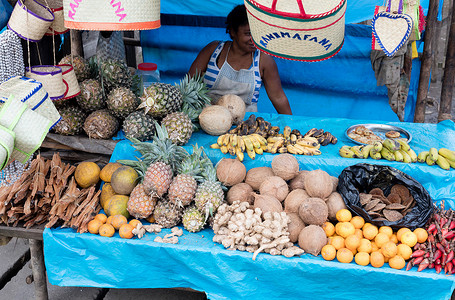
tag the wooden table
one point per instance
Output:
(35, 238)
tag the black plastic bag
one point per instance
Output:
(362, 178)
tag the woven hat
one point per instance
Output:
(297, 30)
(6, 145)
(52, 79)
(58, 26)
(30, 20)
(69, 76)
(112, 15)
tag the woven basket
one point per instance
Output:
(297, 30)
(52, 79)
(30, 20)
(112, 15)
(6, 145)
(69, 76)
(51, 3)
(58, 26)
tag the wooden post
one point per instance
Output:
(425, 70)
(448, 81)
(76, 43)
(38, 269)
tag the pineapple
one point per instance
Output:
(91, 97)
(139, 125)
(167, 214)
(179, 127)
(183, 187)
(194, 93)
(140, 205)
(158, 178)
(71, 121)
(114, 73)
(101, 124)
(209, 194)
(121, 102)
(193, 220)
(80, 65)
(160, 99)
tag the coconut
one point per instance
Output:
(313, 211)
(295, 226)
(255, 176)
(334, 204)
(318, 184)
(312, 238)
(241, 192)
(230, 171)
(285, 166)
(274, 186)
(294, 199)
(215, 119)
(297, 181)
(267, 203)
(335, 183)
(235, 105)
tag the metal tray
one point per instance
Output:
(380, 130)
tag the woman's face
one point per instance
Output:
(243, 38)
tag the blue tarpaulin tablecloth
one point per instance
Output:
(74, 259)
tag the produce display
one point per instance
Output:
(389, 149)
(443, 157)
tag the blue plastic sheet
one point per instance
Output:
(5, 12)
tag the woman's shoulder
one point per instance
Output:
(266, 60)
(210, 47)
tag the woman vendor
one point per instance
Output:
(237, 67)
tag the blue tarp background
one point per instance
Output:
(5, 12)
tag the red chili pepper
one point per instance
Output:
(449, 268)
(449, 256)
(431, 238)
(444, 231)
(418, 260)
(444, 259)
(438, 261)
(449, 235)
(431, 228)
(440, 247)
(445, 243)
(423, 265)
(443, 221)
(418, 253)
(409, 265)
(452, 225)
(438, 268)
(437, 254)
(437, 217)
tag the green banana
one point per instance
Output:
(433, 154)
(448, 154)
(357, 152)
(374, 154)
(443, 163)
(387, 154)
(429, 161)
(346, 152)
(398, 156)
(377, 147)
(451, 163)
(411, 154)
(404, 145)
(422, 156)
(366, 150)
(392, 145)
(406, 157)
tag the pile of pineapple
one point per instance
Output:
(176, 186)
(111, 99)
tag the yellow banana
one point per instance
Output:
(392, 145)
(294, 150)
(357, 152)
(224, 149)
(366, 150)
(273, 139)
(231, 149)
(448, 154)
(277, 145)
(258, 150)
(239, 153)
(422, 157)
(314, 151)
(260, 138)
(412, 155)
(406, 158)
(306, 142)
(251, 153)
(293, 139)
(215, 146)
(398, 156)
(287, 132)
(234, 140)
(374, 154)
(346, 151)
(248, 144)
(451, 163)
(385, 153)
(429, 161)
(403, 144)
(264, 147)
(282, 150)
(304, 150)
(433, 154)
(377, 147)
(240, 143)
(219, 141)
(443, 163)
(255, 141)
(226, 139)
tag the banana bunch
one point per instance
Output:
(324, 138)
(443, 157)
(236, 145)
(288, 142)
(389, 149)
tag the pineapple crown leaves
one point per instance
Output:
(194, 92)
(139, 165)
(192, 164)
(209, 173)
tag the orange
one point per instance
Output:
(354, 251)
(134, 222)
(370, 232)
(106, 172)
(126, 231)
(366, 225)
(328, 252)
(101, 217)
(389, 249)
(374, 247)
(380, 239)
(394, 238)
(401, 231)
(397, 262)
(365, 246)
(358, 222)
(409, 238)
(151, 219)
(387, 230)
(118, 220)
(386, 259)
(352, 242)
(362, 258)
(343, 215)
(109, 220)
(107, 230)
(376, 259)
(421, 234)
(328, 228)
(337, 242)
(94, 226)
(117, 205)
(344, 229)
(344, 255)
(87, 173)
(106, 193)
(404, 251)
(359, 233)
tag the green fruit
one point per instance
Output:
(422, 157)
(448, 154)
(443, 163)
(433, 154)
(124, 179)
(392, 145)
(387, 154)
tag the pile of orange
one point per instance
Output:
(105, 226)
(353, 239)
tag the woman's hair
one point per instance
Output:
(236, 18)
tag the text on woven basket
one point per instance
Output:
(117, 5)
(306, 37)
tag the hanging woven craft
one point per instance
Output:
(11, 56)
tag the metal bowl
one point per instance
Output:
(380, 130)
